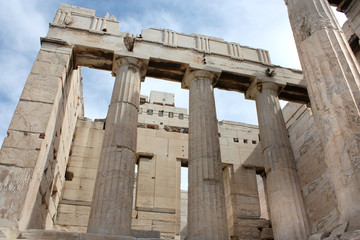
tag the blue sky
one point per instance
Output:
(256, 23)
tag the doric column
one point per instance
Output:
(332, 75)
(287, 210)
(206, 199)
(113, 194)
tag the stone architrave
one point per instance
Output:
(206, 199)
(351, 8)
(113, 194)
(288, 216)
(333, 81)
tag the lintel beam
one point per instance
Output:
(171, 53)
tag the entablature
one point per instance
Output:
(97, 41)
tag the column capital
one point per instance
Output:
(269, 86)
(194, 73)
(137, 63)
(257, 87)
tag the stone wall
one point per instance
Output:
(264, 209)
(317, 189)
(183, 212)
(242, 159)
(157, 205)
(74, 207)
(33, 157)
(53, 179)
(160, 155)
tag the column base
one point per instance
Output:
(39, 234)
(344, 236)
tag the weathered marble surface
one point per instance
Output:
(170, 52)
(33, 157)
(333, 80)
(111, 207)
(44, 121)
(315, 183)
(288, 215)
(157, 197)
(206, 199)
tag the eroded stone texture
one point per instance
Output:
(332, 75)
(206, 206)
(33, 157)
(74, 208)
(40, 134)
(315, 183)
(242, 203)
(113, 194)
(287, 210)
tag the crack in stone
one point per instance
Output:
(27, 100)
(119, 147)
(14, 165)
(127, 103)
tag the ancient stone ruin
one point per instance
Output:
(296, 176)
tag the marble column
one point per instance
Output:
(113, 193)
(333, 80)
(206, 199)
(288, 216)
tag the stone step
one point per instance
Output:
(36, 234)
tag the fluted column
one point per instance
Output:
(288, 216)
(206, 199)
(113, 194)
(333, 80)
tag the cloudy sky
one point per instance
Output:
(256, 23)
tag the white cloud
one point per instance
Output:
(12, 77)
(97, 90)
(233, 106)
(150, 19)
(21, 26)
(130, 25)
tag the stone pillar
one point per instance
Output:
(113, 193)
(332, 75)
(206, 206)
(264, 180)
(287, 210)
